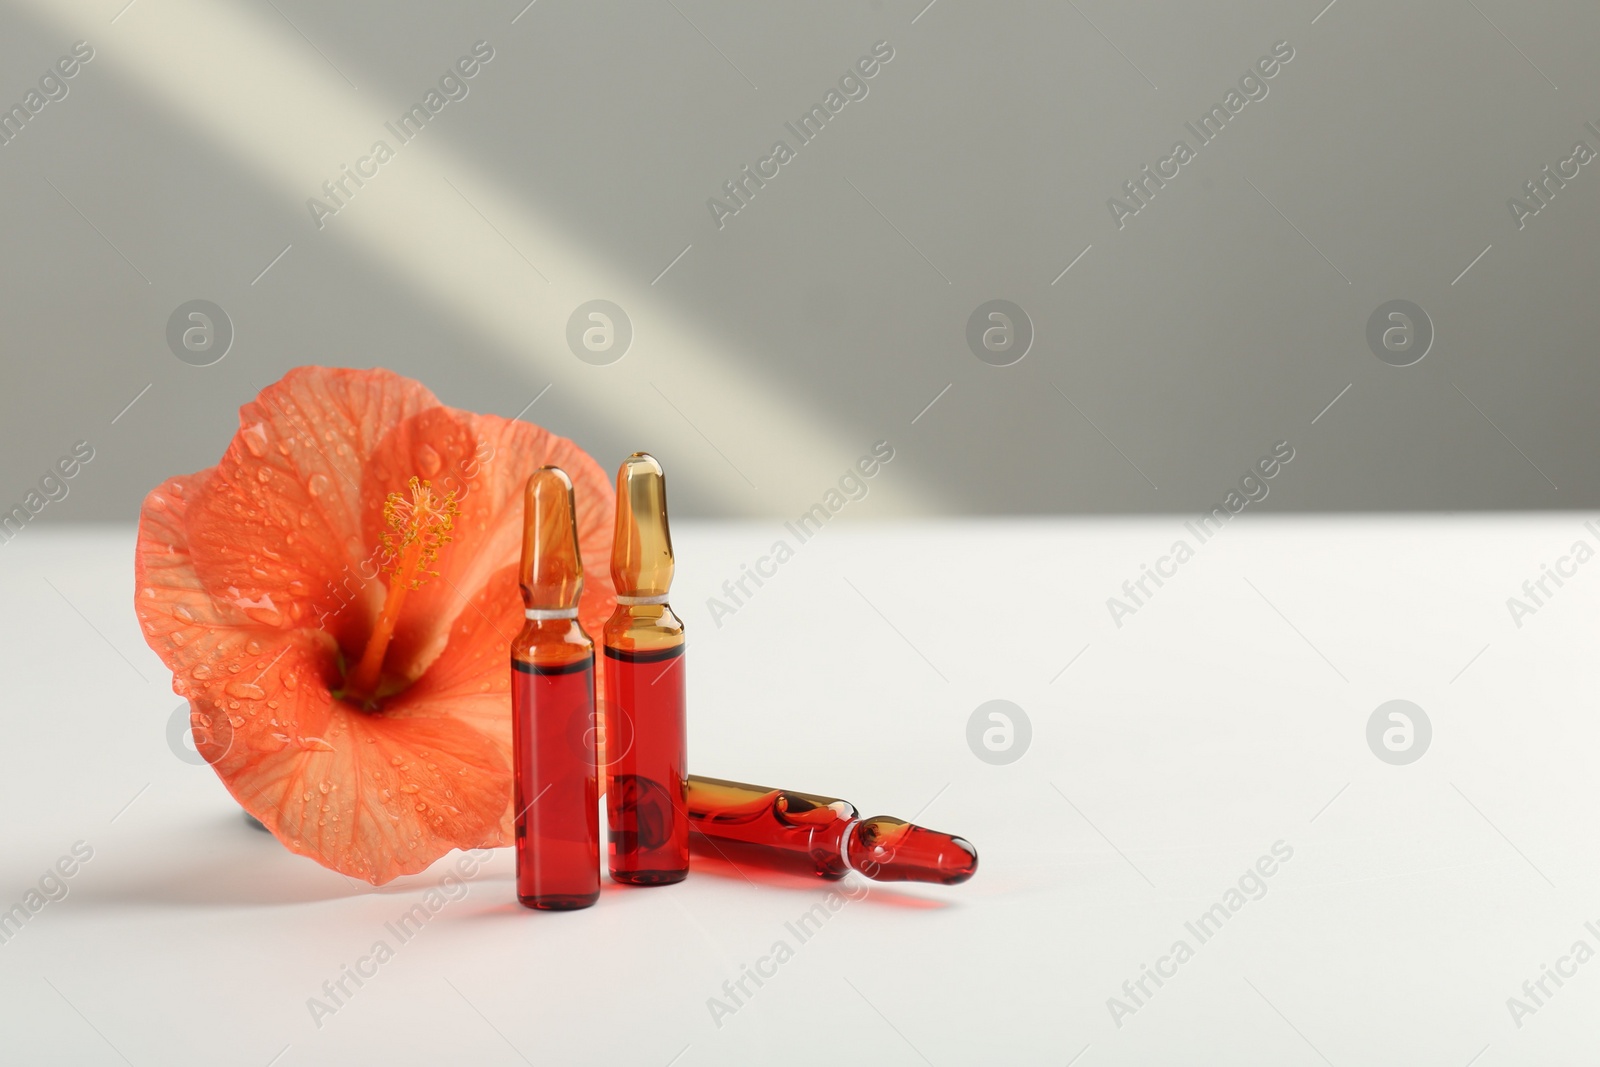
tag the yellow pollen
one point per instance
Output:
(419, 526)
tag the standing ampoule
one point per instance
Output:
(552, 709)
(646, 735)
(826, 834)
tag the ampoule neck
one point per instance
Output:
(643, 627)
(551, 642)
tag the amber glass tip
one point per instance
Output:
(642, 461)
(551, 573)
(887, 849)
(641, 550)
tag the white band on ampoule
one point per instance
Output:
(630, 601)
(844, 846)
(541, 614)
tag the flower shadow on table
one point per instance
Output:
(222, 861)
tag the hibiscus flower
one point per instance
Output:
(336, 600)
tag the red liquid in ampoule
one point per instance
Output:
(826, 833)
(646, 739)
(553, 709)
(648, 825)
(557, 792)
(800, 825)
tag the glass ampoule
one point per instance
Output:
(646, 733)
(826, 833)
(552, 700)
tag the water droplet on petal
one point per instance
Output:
(245, 690)
(427, 460)
(255, 439)
(263, 611)
(317, 485)
(201, 671)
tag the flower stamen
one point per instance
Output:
(419, 526)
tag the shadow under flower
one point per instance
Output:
(221, 861)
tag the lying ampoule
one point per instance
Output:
(828, 832)
(646, 735)
(552, 700)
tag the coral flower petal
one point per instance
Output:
(278, 530)
(469, 682)
(482, 460)
(259, 581)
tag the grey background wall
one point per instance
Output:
(771, 350)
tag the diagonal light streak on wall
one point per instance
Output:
(458, 234)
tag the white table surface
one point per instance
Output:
(1228, 714)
